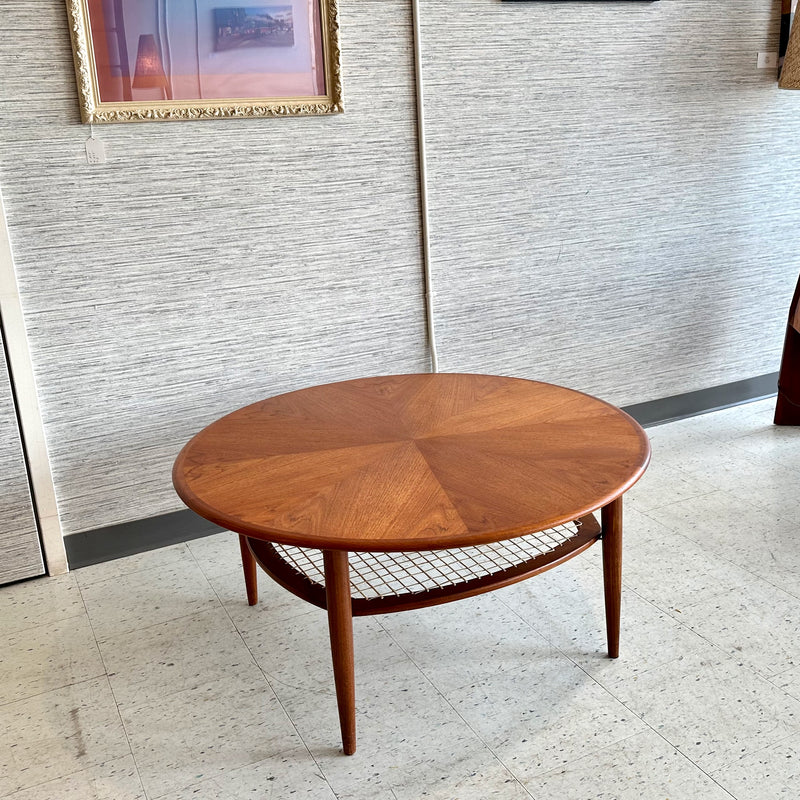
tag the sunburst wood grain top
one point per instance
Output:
(411, 462)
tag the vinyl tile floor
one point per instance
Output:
(151, 678)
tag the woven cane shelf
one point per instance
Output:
(385, 582)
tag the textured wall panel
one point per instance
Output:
(206, 264)
(20, 553)
(613, 192)
(613, 196)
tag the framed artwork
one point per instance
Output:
(148, 60)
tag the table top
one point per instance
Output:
(411, 462)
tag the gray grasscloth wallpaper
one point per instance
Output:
(19, 539)
(206, 264)
(613, 191)
(612, 197)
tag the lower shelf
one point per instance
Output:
(384, 582)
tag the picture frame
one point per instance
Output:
(153, 60)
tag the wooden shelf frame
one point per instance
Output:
(305, 577)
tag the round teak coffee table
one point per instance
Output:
(391, 493)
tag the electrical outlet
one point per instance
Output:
(95, 151)
(767, 61)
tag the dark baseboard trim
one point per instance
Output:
(129, 538)
(681, 406)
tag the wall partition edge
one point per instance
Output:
(30, 418)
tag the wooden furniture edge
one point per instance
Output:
(312, 592)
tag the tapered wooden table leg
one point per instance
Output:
(250, 571)
(340, 623)
(611, 518)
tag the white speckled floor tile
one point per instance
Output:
(399, 700)
(670, 443)
(411, 743)
(550, 602)
(465, 776)
(763, 544)
(113, 780)
(672, 571)
(274, 602)
(35, 603)
(219, 554)
(780, 443)
(643, 767)
(460, 643)
(57, 733)
(591, 559)
(758, 624)
(146, 598)
(663, 484)
(541, 717)
(307, 639)
(712, 708)
(185, 653)
(788, 681)
(196, 734)
(148, 561)
(44, 658)
(716, 520)
(769, 774)
(568, 609)
(457, 773)
(483, 779)
(759, 482)
(291, 775)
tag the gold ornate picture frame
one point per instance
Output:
(151, 60)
